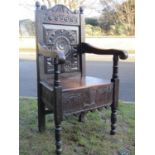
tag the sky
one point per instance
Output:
(27, 7)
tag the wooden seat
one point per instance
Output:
(78, 82)
(93, 92)
(63, 87)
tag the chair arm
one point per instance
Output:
(47, 52)
(87, 48)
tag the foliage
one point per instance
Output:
(89, 138)
(118, 18)
(91, 21)
(93, 30)
(126, 16)
(72, 4)
(26, 27)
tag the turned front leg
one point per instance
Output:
(57, 108)
(57, 119)
(114, 104)
(113, 119)
(58, 142)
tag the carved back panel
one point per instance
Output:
(59, 29)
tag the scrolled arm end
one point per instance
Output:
(48, 52)
(123, 55)
(61, 57)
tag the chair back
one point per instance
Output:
(58, 28)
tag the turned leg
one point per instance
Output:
(113, 119)
(58, 142)
(58, 112)
(115, 81)
(57, 119)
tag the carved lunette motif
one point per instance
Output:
(61, 15)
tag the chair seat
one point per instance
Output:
(80, 93)
(78, 82)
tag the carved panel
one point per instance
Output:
(85, 99)
(64, 39)
(88, 98)
(54, 36)
(48, 65)
(60, 15)
(47, 98)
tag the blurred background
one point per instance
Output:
(109, 24)
(104, 18)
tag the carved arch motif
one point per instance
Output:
(60, 14)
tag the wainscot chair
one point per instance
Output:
(63, 87)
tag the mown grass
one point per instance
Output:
(89, 138)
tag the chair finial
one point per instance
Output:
(43, 7)
(81, 10)
(37, 4)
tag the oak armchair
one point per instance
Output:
(63, 87)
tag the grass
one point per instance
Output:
(131, 51)
(89, 138)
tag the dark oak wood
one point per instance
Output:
(41, 106)
(114, 104)
(63, 87)
(86, 48)
(82, 117)
(58, 113)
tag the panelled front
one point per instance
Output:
(87, 98)
(77, 100)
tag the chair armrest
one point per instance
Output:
(87, 48)
(47, 52)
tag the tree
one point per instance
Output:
(126, 16)
(72, 4)
(91, 21)
(118, 17)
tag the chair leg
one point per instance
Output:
(41, 116)
(82, 117)
(58, 139)
(114, 105)
(113, 119)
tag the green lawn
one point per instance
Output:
(89, 138)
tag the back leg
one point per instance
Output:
(82, 117)
(41, 116)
